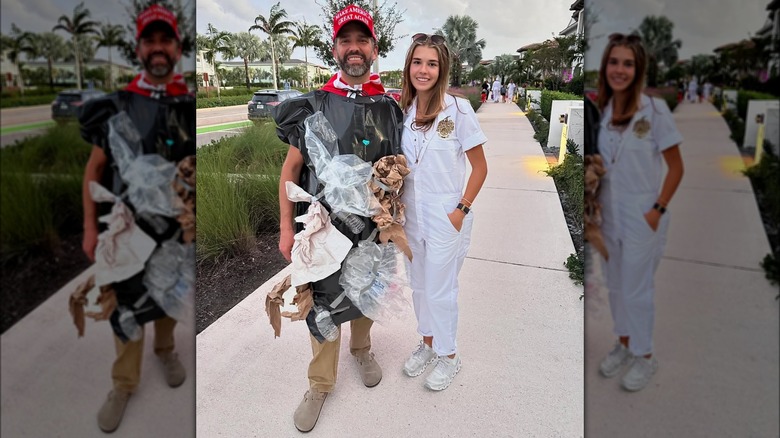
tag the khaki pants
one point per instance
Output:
(126, 372)
(323, 367)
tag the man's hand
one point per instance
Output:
(108, 303)
(89, 243)
(286, 241)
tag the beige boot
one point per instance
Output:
(370, 372)
(111, 412)
(305, 417)
(174, 370)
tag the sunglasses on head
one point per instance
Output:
(423, 38)
(632, 38)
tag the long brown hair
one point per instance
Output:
(633, 43)
(408, 92)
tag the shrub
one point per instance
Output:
(10, 102)
(668, 94)
(214, 102)
(40, 190)
(766, 185)
(540, 125)
(736, 125)
(547, 98)
(238, 184)
(576, 86)
(473, 94)
(743, 96)
(569, 181)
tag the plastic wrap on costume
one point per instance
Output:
(376, 280)
(345, 177)
(369, 127)
(170, 278)
(149, 177)
(159, 132)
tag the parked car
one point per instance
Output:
(66, 104)
(395, 93)
(263, 100)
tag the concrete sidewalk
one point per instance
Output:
(520, 332)
(716, 329)
(53, 383)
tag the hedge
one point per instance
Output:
(549, 96)
(743, 96)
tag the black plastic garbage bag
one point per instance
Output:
(367, 126)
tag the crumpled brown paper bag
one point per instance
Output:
(273, 301)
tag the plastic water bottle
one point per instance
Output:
(325, 324)
(352, 221)
(129, 325)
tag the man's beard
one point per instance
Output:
(158, 70)
(354, 70)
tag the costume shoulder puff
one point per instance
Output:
(290, 114)
(93, 116)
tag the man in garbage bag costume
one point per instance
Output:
(162, 110)
(369, 125)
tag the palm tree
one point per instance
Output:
(110, 35)
(77, 26)
(272, 26)
(305, 36)
(657, 38)
(17, 43)
(248, 48)
(51, 46)
(502, 66)
(461, 34)
(216, 43)
(283, 50)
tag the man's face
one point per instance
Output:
(159, 52)
(354, 50)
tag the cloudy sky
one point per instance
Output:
(505, 25)
(41, 15)
(701, 25)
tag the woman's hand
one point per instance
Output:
(653, 217)
(456, 219)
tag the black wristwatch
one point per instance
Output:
(661, 209)
(463, 208)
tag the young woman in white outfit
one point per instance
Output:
(440, 132)
(637, 135)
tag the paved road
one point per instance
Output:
(24, 115)
(716, 335)
(17, 120)
(227, 115)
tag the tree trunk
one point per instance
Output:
(273, 61)
(78, 62)
(246, 72)
(51, 74)
(110, 68)
(306, 69)
(19, 78)
(652, 71)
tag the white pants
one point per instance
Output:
(438, 251)
(632, 263)
(496, 94)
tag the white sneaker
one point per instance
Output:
(419, 360)
(640, 373)
(442, 375)
(615, 360)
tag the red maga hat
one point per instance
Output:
(154, 14)
(352, 13)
